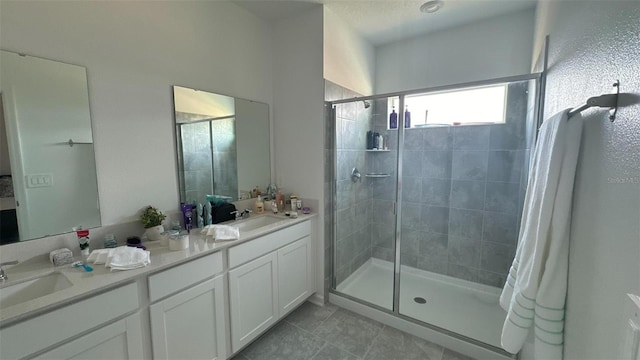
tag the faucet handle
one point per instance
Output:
(3, 276)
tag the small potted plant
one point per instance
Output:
(152, 219)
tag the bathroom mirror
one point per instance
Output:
(48, 182)
(222, 145)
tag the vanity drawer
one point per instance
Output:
(40, 332)
(182, 276)
(252, 249)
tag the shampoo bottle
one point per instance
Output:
(259, 205)
(393, 119)
(407, 117)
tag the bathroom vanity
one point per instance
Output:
(208, 301)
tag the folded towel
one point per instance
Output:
(95, 256)
(535, 291)
(221, 232)
(126, 258)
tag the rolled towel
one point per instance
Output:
(221, 232)
(61, 257)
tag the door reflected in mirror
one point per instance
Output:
(49, 174)
(222, 145)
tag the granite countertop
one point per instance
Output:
(101, 278)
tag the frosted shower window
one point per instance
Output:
(469, 106)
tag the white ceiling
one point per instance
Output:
(384, 21)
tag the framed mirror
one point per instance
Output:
(48, 171)
(223, 145)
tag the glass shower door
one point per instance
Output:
(364, 203)
(461, 198)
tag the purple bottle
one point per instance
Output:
(187, 215)
(393, 119)
(407, 117)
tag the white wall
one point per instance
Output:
(349, 60)
(492, 48)
(298, 103)
(593, 43)
(134, 52)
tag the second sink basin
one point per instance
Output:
(31, 289)
(256, 223)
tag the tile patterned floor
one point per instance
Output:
(313, 332)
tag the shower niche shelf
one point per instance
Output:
(374, 150)
(377, 175)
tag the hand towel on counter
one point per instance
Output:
(126, 258)
(536, 288)
(99, 256)
(121, 258)
(221, 232)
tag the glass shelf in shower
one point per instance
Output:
(375, 175)
(375, 150)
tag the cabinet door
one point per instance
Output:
(120, 340)
(190, 324)
(253, 296)
(295, 274)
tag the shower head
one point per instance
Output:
(366, 104)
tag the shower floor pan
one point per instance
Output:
(464, 307)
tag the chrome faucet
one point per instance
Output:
(3, 275)
(242, 214)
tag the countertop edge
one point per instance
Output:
(101, 280)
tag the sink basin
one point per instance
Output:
(34, 288)
(256, 223)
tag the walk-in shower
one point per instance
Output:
(430, 229)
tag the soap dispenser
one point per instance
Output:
(259, 205)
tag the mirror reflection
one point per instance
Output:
(222, 145)
(48, 174)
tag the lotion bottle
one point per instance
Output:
(259, 205)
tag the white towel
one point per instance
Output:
(98, 256)
(126, 258)
(221, 232)
(535, 292)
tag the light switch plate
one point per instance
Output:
(39, 180)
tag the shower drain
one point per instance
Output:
(420, 300)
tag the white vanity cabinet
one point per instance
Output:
(190, 324)
(253, 297)
(120, 340)
(80, 330)
(295, 274)
(276, 275)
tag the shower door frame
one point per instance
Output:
(538, 77)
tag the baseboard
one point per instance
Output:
(316, 299)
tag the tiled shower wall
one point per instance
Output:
(225, 159)
(463, 189)
(205, 163)
(462, 195)
(353, 199)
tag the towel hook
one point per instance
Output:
(613, 111)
